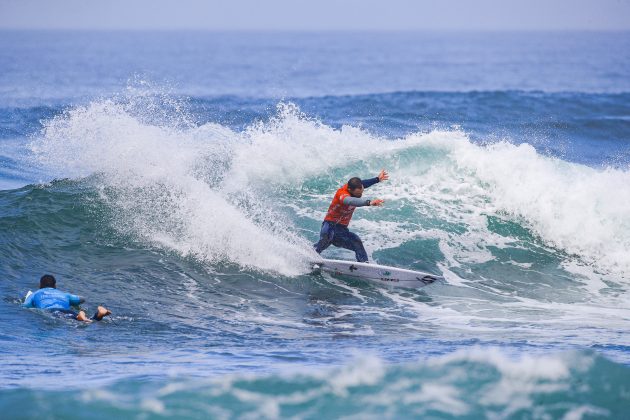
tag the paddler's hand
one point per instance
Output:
(383, 176)
(377, 202)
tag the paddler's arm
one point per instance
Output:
(28, 302)
(75, 300)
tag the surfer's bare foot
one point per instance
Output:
(81, 317)
(101, 313)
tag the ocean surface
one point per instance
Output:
(180, 179)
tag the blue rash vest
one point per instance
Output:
(51, 298)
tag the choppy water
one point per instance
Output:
(181, 178)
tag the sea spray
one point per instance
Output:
(225, 195)
(164, 185)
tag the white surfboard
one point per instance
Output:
(381, 274)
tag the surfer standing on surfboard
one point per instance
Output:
(335, 226)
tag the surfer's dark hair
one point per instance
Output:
(47, 281)
(354, 183)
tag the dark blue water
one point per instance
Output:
(180, 178)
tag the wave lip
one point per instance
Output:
(579, 210)
(223, 195)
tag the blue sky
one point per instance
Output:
(316, 15)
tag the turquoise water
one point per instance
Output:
(180, 179)
(477, 384)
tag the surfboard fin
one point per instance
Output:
(427, 279)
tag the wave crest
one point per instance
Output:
(224, 195)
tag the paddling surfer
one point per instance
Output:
(49, 298)
(334, 229)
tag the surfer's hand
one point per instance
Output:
(376, 202)
(383, 176)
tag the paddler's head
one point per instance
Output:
(355, 187)
(47, 281)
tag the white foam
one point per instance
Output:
(164, 185)
(220, 195)
(366, 371)
(575, 208)
(578, 413)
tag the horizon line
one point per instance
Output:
(288, 30)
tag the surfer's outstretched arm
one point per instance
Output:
(367, 183)
(361, 202)
(382, 176)
(356, 201)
